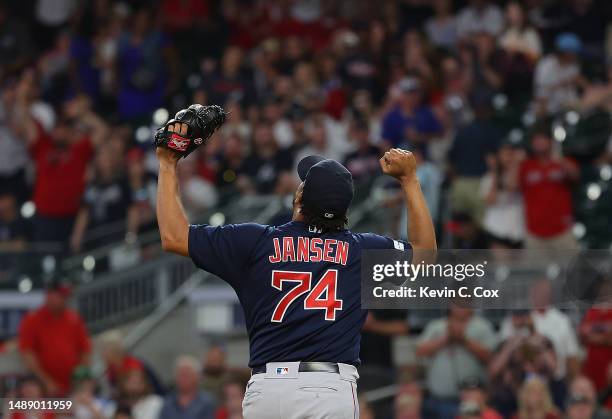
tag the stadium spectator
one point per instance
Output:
(522, 354)
(416, 57)
(135, 393)
(107, 200)
(143, 66)
(13, 230)
(472, 146)
(187, 401)
(181, 17)
(480, 16)
(61, 160)
(273, 113)
(410, 122)
(85, 56)
(265, 170)
(605, 395)
(117, 361)
(231, 81)
(473, 401)
(236, 124)
(29, 387)
(466, 233)
(230, 161)
(504, 214)
(233, 394)
(15, 43)
(596, 336)
(556, 326)
(198, 193)
(441, 29)
(587, 19)
(87, 403)
(380, 328)
(545, 181)
(599, 95)
(519, 37)
(51, 17)
(557, 76)
(363, 162)
(535, 402)
(53, 341)
(582, 401)
(214, 371)
(13, 152)
(487, 64)
(320, 142)
(409, 402)
(462, 342)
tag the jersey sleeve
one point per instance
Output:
(371, 241)
(224, 251)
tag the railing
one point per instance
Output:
(115, 299)
(168, 305)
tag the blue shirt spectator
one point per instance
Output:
(142, 70)
(410, 122)
(187, 401)
(201, 407)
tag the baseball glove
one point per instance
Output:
(202, 122)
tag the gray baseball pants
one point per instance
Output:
(284, 393)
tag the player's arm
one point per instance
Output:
(171, 218)
(401, 165)
(189, 129)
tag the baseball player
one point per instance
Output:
(298, 283)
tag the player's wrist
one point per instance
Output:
(409, 179)
(168, 166)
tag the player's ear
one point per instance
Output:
(297, 201)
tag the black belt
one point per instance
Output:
(306, 367)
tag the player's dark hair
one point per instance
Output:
(312, 218)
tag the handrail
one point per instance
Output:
(118, 297)
(76, 261)
(146, 326)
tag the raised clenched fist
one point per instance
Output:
(398, 163)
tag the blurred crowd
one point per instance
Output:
(58, 353)
(536, 363)
(485, 93)
(85, 83)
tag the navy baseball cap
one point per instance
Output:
(328, 186)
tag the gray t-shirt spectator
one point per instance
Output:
(454, 364)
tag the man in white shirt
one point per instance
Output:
(554, 325)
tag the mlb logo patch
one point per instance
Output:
(282, 371)
(398, 245)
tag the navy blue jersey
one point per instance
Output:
(300, 290)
